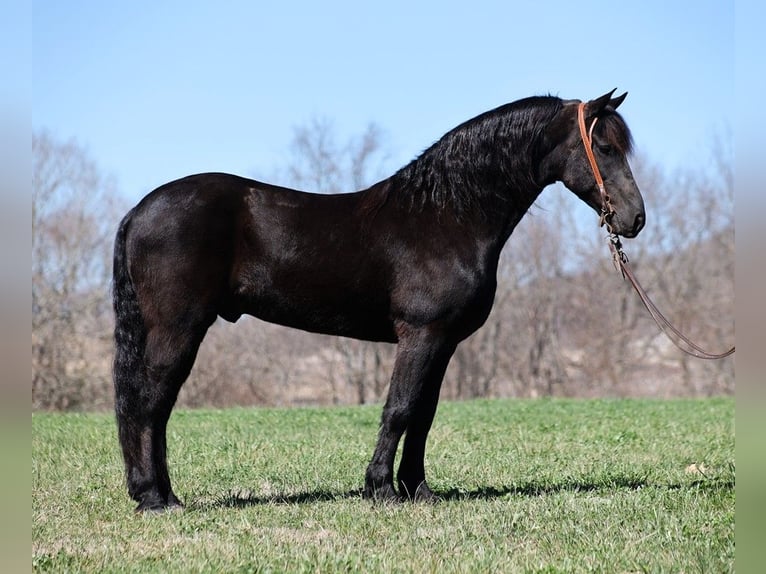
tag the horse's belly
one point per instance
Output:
(347, 316)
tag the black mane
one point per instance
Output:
(488, 154)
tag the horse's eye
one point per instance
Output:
(605, 149)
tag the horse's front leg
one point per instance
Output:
(421, 360)
(411, 475)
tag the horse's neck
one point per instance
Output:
(498, 215)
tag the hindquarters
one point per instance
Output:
(178, 250)
(171, 261)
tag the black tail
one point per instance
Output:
(128, 370)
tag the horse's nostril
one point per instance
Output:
(638, 224)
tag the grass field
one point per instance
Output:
(528, 486)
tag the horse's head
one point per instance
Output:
(608, 137)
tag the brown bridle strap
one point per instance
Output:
(621, 260)
(587, 139)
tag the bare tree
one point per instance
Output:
(692, 277)
(250, 363)
(74, 209)
(685, 259)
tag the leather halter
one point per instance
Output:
(621, 260)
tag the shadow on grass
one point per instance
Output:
(613, 484)
(246, 499)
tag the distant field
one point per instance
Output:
(528, 486)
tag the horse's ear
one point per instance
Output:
(615, 102)
(595, 107)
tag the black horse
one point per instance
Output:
(412, 260)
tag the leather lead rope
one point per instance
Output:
(621, 260)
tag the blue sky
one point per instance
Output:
(158, 90)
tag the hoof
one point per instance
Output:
(151, 507)
(421, 493)
(159, 506)
(174, 503)
(385, 493)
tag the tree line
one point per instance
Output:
(564, 322)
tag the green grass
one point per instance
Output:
(528, 486)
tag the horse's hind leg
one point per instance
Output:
(144, 402)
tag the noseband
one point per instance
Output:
(621, 260)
